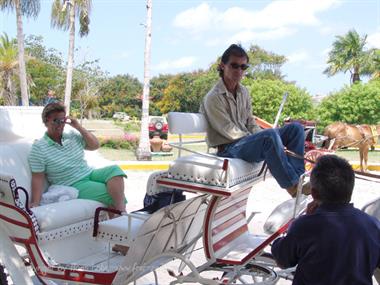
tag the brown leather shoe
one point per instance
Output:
(122, 249)
(306, 189)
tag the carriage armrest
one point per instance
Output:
(125, 225)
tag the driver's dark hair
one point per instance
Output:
(332, 180)
(55, 107)
(235, 50)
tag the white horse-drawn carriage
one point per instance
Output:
(69, 242)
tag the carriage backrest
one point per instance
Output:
(186, 123)
(20, 122)
(14, 162)
(172, 229)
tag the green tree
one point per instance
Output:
(88, 80)
(356, 104)
(267, 96)
(157, 87)
(8, 70)
(348, 54)
(45, 67)
(264, 64)
(22, 8)
(121, 93)
(185, 91)
(63, 16)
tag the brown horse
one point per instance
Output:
(344, 135)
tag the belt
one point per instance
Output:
(221, 147)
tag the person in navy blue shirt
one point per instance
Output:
(334, 243)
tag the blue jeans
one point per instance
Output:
(269, 145)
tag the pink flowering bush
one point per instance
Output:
(128, 141)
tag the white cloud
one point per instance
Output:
(182, 62)
(276, 15)
(298, 56)
(196, 19)
(374, 40)
(249, 36)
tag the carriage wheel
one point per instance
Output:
(249, 274)
(313, 155)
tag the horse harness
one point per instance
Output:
(372, 130)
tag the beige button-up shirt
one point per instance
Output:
(229, 119)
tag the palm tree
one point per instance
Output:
(63, 16)
(348, 54)
(374, 68)
(8, 69)
(143, 151)
(23, 8)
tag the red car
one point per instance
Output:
(158, 125)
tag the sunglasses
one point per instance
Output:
(59, 121)
(241, 66)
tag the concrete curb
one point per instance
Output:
(144, 165)
(371, 167)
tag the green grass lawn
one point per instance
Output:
(353, 155)
(116, 154)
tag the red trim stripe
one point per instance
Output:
(14, 222)
(194, 188)
(228, 223)
(207, 225)
(234, 196)
(257, 250)
(241, 205)
(230, 237)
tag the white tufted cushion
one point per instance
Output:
(209, 170)
(56, 215)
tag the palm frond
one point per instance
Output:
(59, 16)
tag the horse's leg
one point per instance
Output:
(365, 156)
(361, 154)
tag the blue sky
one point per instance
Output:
(189, 35)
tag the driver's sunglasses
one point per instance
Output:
(58, 122)
(241, 66)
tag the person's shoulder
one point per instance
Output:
(305, 221)
(39, 142)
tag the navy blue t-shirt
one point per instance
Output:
(336, 245)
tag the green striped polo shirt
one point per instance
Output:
(63, 164)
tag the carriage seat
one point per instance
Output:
(198, 171)
(210, 170)
(13, 162)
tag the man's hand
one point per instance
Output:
(312, 206)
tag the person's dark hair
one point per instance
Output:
(332, 179)
(235, 50)
(50, 108)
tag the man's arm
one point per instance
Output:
(38, 179)
(284, 250)
(90, 140)
(251, 121)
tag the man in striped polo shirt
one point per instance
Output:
(59, 157)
